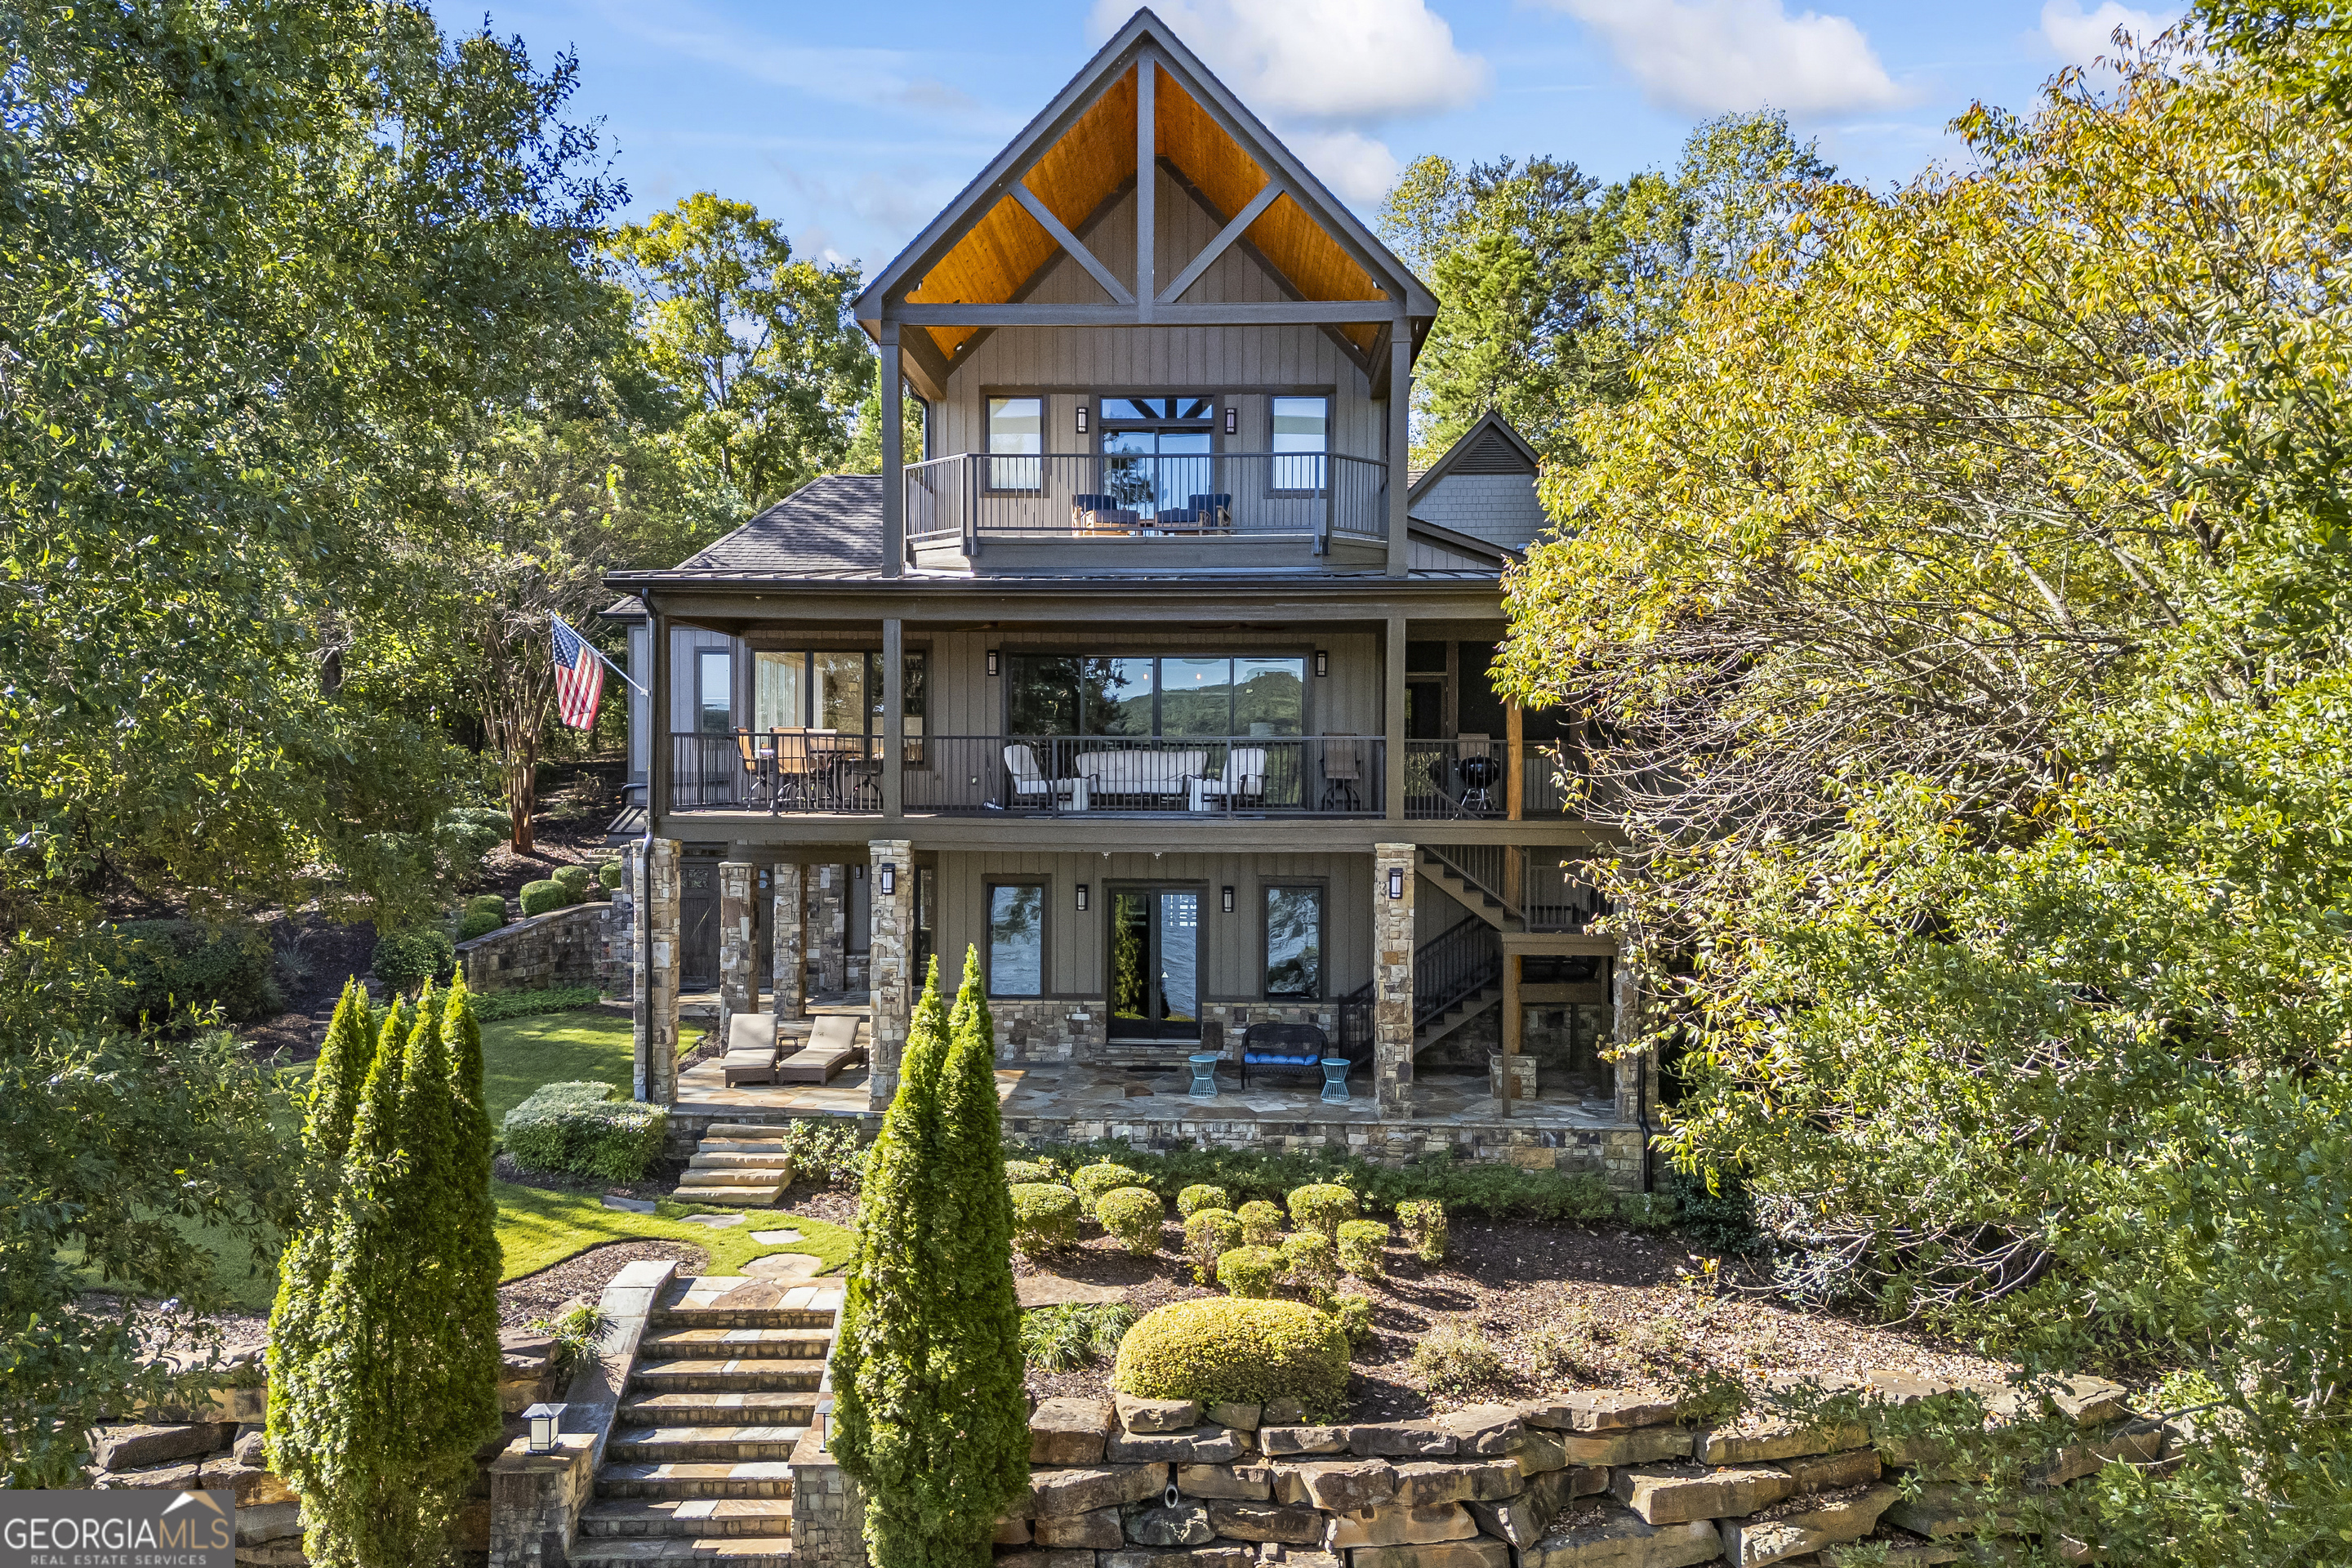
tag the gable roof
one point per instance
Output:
(1489, 446)
(989, 246)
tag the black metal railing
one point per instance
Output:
(1312, 775)
(1452, 966)
(1555, 897)
(1475, 778)
(778, 770)
(976, 496)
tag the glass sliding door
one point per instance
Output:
(1155, 963)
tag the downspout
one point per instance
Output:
(645, 997)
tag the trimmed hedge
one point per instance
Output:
(1261, 1223)
(1321, 1205)
(1200, 1195)
(406, 959)
(585, 1129)
(1019, 1171)
(579, 879)
(1093, 1181)
(1249, 1271)
(1132, 1214)
(1354, 1316)
(493, 904)
(1209, 1235)
(1362, 1247)
(490, 1006)
(1224, 1350)
(1423, 1220)
(1044, 1216)
(608, 876)
(477, 923)
(539, 897)
(172, 965)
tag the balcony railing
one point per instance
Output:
(1531, 884)
(976, 496)
(1477, 778)
(800, 772)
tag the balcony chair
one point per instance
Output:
(1214, 511)
(1092, 513)
(1343, 770)
(832, 1045)
(1271, 1047)
(1032, 787)
(1244, 779)
(751, 1050)
(758, 770)
(795, 781)
(1176, 520)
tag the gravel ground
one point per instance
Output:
(1526, 1308)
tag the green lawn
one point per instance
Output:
(538, 1229)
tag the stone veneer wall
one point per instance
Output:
(788, 954)
(1603, 1478)
(1613, 1154)
(893, 954)
(828, 927)
(562, 947)
(739, 984)
(1076, 1028)
(1392, 978)
(655, 993)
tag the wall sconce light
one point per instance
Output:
(991, 663)
(1082, 418)
(1229, 900)
(1322, 662)
(1082, 897)
(1396, 881)
(543, 1419)
(886, 879)
(1233, 419)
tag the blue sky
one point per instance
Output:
(852, 123)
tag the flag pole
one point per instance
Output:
(599, 652)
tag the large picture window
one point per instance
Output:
(1065, 694)
(1294, 944)
(1016, 939)
(837, 691)
(1016, 442)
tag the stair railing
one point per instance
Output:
(1484, 867)
(1447, 970)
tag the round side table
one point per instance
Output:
(1204, 1074)
(1335, 1079)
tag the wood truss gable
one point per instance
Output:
(1144, 103)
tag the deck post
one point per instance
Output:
(1514, 1022)
(653, 887)
(1393, 977)
(1392, 695)
(1400, 442)
(894, 456)
(889, 964)
(788, 954)
(738, 989)
(894, 717)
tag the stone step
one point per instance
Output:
(719, 1194)
(766, 1165)
(779, 1408)
(743, 1145)
(690, 1479)
(688, 1517)
(743, 1374)
(730, 1551)
(758, 1130)
(789, 1343)
(741, 1301)
(735, 1175)
(723, 1445)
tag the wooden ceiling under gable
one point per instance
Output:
(1001, 255)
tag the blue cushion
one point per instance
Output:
(1267, 1059)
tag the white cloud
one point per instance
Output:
(1360, 169)
(2080, 37)
(1711, 57)
(1334, 61)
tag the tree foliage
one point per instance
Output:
(1960, 607)
(931, 1416)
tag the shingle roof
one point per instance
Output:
(830, 525)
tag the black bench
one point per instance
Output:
(1284, 1049)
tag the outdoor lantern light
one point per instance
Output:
(992, 662)
(543, 1419)
(1082, 897)
(1396, 881)
(1229, 900)
(1082, 418)
(825, 1423)
(1233, 419)
(888, 878)
(1322, 662)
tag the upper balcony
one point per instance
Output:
(1087, 512)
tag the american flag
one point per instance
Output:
(579, 677)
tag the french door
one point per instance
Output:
(1155, 963)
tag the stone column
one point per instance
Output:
(891, 962)
(828, 918)
(654, 882)
(787, 961)
(828, 1509)
(1392, 979)
(738, 986)
(621, 934)
(1637, 1065)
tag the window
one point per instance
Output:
(1156, 453)
(840, 690)
(1294, 944)
(1062, 694)
(838, 693)
(1016, 440)
(1016, 939)
(714, 691)
(1302, 439)
(776, 702)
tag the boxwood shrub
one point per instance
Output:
(608, 874)
(1093, 1181)
(1133, 1216)
(1044, 1216)
(576, 877)
(1222, 1351)
(406, 959)
(477, 923)
(1209, 1235)
(1321, 1205)
(1200, 1195)
(1261, 1223)
(491, 904)
(1306, 1260)
(1017, 1172)
(584, 1130)
(1424, 1223)
(1363, 1245)
(539, 897)
(1248, 1270)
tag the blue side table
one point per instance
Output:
(1204, 1074)
(1335, 1079)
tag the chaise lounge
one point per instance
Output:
(832, 1045)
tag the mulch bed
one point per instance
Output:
(583, 1277)
(1559, 1305)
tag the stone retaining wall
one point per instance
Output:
(1580, 1480)
(1613, 1154)
(563, 947)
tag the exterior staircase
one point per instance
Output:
(738, 1165)
(698, 1468)
(1463, 881)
